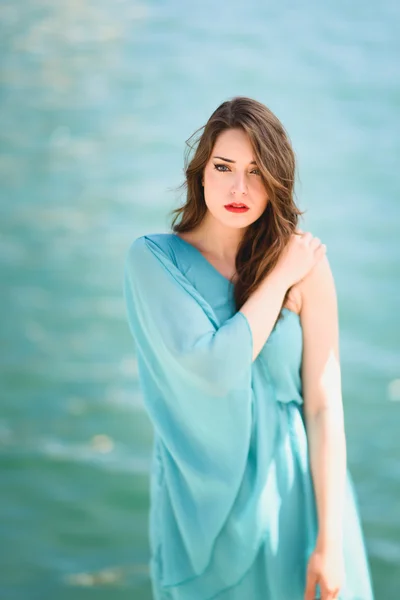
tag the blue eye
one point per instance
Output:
(220, 165)
(225, 167)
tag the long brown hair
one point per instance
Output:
(265, 239)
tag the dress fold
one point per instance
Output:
(233, 513)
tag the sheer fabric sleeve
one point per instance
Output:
(196, 383)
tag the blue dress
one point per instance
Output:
(233, 513)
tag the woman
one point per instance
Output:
(235, 322)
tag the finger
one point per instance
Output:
(315, 243)
(331, 594)
(319, 255)
(320, 252)
(307, 237)
(311, 582)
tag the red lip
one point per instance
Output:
(236, 209)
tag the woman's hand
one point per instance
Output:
(301, 254)
(325, 568)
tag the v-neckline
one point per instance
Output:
(201, 255)
(227, 281)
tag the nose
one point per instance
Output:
(239, 185)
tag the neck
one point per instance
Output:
(217, 239)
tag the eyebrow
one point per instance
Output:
(253, 162)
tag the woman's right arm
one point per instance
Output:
(263, 306)
(175, 328)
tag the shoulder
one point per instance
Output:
(317, 288)
(321, 274)
(151, 241)
(148, 252)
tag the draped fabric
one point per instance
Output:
(233, 509)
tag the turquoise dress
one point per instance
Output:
(233, 513)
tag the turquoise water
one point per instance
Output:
(97, 101)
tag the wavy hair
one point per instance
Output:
(264, 240)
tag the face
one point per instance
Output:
(231, 176)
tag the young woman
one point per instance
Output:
(235, 322)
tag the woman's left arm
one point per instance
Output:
(323, 410)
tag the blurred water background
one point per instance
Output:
(97, 100)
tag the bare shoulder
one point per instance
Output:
(321, 274)
(317, 289)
